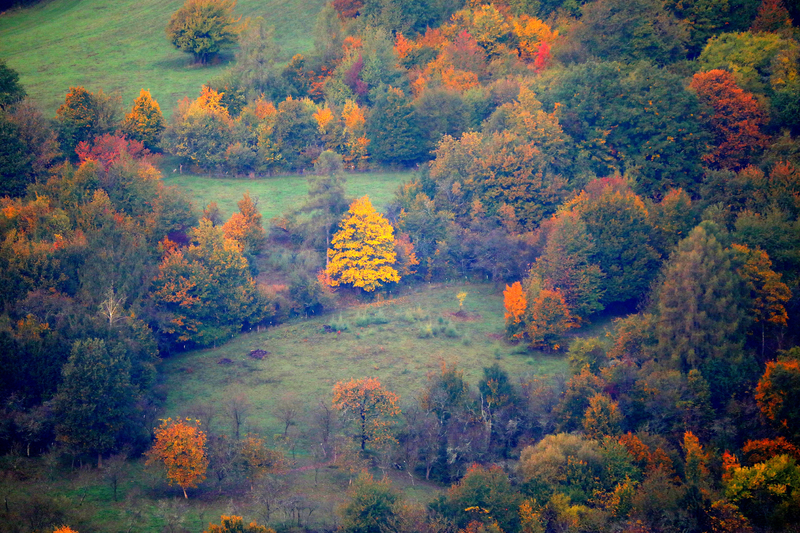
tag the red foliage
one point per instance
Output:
(542, 59)
(348, 9)
(736, 121)
(108, 148)
(758, 451)
(352, 77)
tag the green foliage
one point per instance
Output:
(484, 495)
(14, 159)
(395, 137)
(596, 104)
(11, 91)
(85, 115)
(95, 398)
(203, 28)
(767, 492)
(701, 305)
(371, 507)
(205, 292)
(633, 31)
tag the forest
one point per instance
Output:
(579, 311)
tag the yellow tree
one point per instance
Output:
(370, 404)
(145, 122)
(181, 447)
(549, 319)
(363, 253)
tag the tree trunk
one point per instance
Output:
(184, 493)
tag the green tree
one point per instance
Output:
(638, 120)
(395, 137)
(11, 91)
(618, 223)
(14, 160)
(362, 252)
(205, 292)
(95, 398)
(371, 506)
(767, 492)
(203, 28)
(702, 312)
(144, 123)
(85, 115)
(633, 30)
(566, 265)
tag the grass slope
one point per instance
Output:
(279, 194)
(305, 362)
(121, 47)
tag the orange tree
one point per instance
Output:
(370, 404)
(778, 393)
(181, 447)
(363, 250)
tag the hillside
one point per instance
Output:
(121, 47)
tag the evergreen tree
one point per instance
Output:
(95, 398)
(394, 136)
(702, 312)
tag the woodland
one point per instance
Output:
(579, 311)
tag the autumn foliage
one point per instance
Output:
(362, 252)
(371, 405)
(180, 446)
(736, 121)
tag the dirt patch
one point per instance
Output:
(496, 336)
(463, 316)
(225, 361)
(258, 354)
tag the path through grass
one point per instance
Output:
(121, 46)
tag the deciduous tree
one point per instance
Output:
(180, 446)
(145, 122)
(203, 28)
(736, 121)
(362, 252)
(235, 524)
(778, 394)
(372, 407)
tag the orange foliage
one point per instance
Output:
(406, 258)
(181, 447)
(736, 122)
(729, 464)
(759, 451)
(550, 319)
(647, 460)
(459, 80)
(402, 46)
(769, 399)
(323, 116)
(532, 33)
(347, 9)
(515, 303)
(235, 524)
(370, 404)
(353, 118)
(64, 529)
(695, 459)
(767, 291)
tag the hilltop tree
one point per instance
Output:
(181, 447)
(203, 28)
(95, 398)
(362, 252)
(370, 404)
(145, 122)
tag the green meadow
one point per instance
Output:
(121, 47)
(277, 194)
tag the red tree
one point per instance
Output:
(736, 120)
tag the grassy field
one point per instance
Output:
(398, 340)
(279, 194)
(121, 47)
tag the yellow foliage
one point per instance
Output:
(323, 116)
(362, 253)
(181, 447)
(531, 32)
